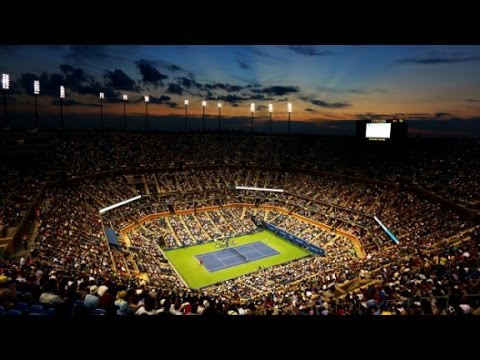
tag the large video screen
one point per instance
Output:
(378, 130)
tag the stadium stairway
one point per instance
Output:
(233, 231)
(187, 229)
(172, 231)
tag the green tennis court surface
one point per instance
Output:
(196, 275)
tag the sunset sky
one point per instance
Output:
(436, 88)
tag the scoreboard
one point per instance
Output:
(382, 130)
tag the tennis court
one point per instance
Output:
(233, 256)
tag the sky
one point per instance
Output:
(436, 88)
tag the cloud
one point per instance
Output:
(49, 84)
(71, 102)
(325, 104)
(172, 104)
(243, 64)
(226, 87)
(118, 80)
(153, 99)
(74, 76)
(173, 68)
(175, 89)
(434, 60)
(189, 82)
(472, 100)
(232, 99)
(308, 50)
(91, 55)
(258, 52)
(279, 90)
(442, 114)
(311, 110)
(371, 115)
(149, 73)
(74, 79)
(166, 65)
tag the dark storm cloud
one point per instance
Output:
(329, 105)
(149, 73)
(226, 87)
(307, 50)
(189, 83)
(118, 80)
(311, 110)
(278, 90)
(175, 89)
(437, 60)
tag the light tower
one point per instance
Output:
(5, 87)
(186, 108)
(252, 110)
(270, 110)
(62, 96)
(219, 116)
(289, 107)
(204, 103)
(101, 96)
(125, 99)
(147, 99)
(36, 92)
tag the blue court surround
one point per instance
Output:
(233, 256)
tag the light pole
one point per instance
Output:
(101, 96)
(252, 110)
(62, 96)
(147, 99)
(186, 107)
(125, 99)
(36, 91)
(270, 110)
(5, 87)
(289, 107)
(204, 103)
(219, 116)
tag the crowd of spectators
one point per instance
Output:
(72, 269)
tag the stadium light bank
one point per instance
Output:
(258, 189)
(104, 210)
